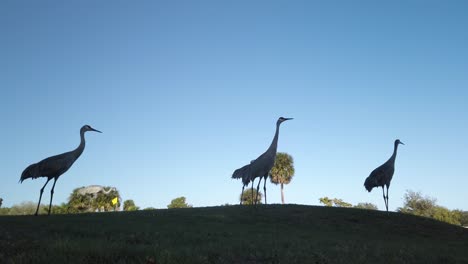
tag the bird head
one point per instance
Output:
(397, 142)
(86, 128)
(282, 119)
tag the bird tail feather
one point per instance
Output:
(30, 172)
(370, 183)
(242, 173)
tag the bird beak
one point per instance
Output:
(92, 129)
(288, 118)
(402, 143)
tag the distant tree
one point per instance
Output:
(282, 171)
(29, 208)
(369, 206)
(326, 201)
(464, 218)
(149, 208)
(79, 203)
(129, 205)
(445, 215)
(178, 203)
(25, 208)
(59, 209)
(246, 197)
(416, 204)
(334, 202)
(105, 201)
(426, 206)
(341, 203)
(4, 211)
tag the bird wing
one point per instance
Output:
(380, 176)
(55, 166)
(239, 173)
(242, 173)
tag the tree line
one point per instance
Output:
(281, 174)
(79, 203)
(414, 203)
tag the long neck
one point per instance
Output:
(274, 143)
(77, 152)
(395, 149)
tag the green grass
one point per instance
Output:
(232, 234)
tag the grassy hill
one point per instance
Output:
(232, 234)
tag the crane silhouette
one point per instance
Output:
(243, 173)
(382, 175)
(261, 166)
(53, 167)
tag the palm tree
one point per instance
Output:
(283, 171)
(248, 194)
(129, 205)
(78, 203)
(101, 201)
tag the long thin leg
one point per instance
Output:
(264, 187)
(258, 187)
(52, 194)
(242, 194)
(40, 196)
(252, 190)
(385, 200)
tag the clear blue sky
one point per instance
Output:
(186, 92)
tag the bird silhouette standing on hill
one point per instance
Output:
(55, 166)
(261, 166)
(382, 176)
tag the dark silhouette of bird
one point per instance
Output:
(55, 166)
(243, 173)
(382, 176)
(261, 166)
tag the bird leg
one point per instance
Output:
(384, 198)
(387, 198)
(252, 191)
(242, 194)
(40, 196)
(52, 194)
(264, 187)
(258, 187)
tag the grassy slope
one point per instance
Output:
(232, 234)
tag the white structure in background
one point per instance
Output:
(93, 190)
